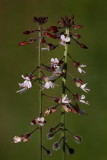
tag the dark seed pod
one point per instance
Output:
(56, 146)
(71, 151)
(50, 136)
(49, 153)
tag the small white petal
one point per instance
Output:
(83, 86)
(67, 39)
(85, 102)
(79, 70)
(22, 90)
(23, 76)
(62, 37)
(62, 43)
(44, 49)
(17, 139)
(46, 85)
(82, 97)
(65, 99)
(52, 60)
(42, 119)
(26, 78)
(82, 65)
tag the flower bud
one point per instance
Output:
(43, 40)
(50, 35)
(40, 20)
(78, 26)
(26, 32)
(83, 46)
(52, 129)
(56, 99)
(54, 29)
(22, 43)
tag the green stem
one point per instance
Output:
(64, 77)
(40, 86)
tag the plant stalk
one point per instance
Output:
(64, 78)
(40, 86)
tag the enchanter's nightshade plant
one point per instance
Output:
(58, 69)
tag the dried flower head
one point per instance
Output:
(50, 110)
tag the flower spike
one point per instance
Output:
(57, 69)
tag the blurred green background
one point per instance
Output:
(17, 111)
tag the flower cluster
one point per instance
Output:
(57, 69)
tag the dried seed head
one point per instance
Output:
(56, 146)
(77, 139)
(49, 153)
(50, 110)
(71, 151)
(50, 136)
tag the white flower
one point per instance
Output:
(84, 87)
(54, 62)
(17, 139)
(48, 85)
(39, 120)
(80, 68)
(25, 85)
(58, 71)
(23, 138)
(64, 40)
(65, 99)
(82, 100)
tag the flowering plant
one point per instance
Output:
(58, 69)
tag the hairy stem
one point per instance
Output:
(40, 87)
(64, 77)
